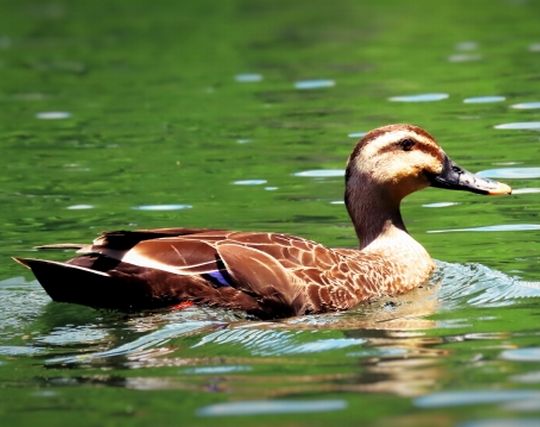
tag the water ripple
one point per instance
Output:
(216, 370)
(248, 78)
(534, 47)
(53, 115)
(73, 335)
(478, 285)
(19, 350)
(356, 134)
(519, 126)
(526, 190)
(528, 354)
(464, 57)
(532, 377)
(258, 407)
(268, 342)
(321, 173)
(421, 97)
(491, 228)
(314, 84)
(475, 397)
(171, 207)
(498, 422)
(484, 99)
(148, 342)
(250, 182)
(511, 173)
(467, 45)
(80, 207)
(440, 204)
(527, 106)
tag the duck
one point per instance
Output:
(267, 274)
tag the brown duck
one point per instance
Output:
(273, 274)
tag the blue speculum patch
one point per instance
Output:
(219, 278)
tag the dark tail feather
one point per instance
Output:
(71, 283)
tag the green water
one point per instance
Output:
(126, 114)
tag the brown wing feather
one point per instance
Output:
(184, 256)
(261, 275)
(124, 240)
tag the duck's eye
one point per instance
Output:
(406, 144)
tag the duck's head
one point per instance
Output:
(399, 159)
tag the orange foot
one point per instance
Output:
(182, 305)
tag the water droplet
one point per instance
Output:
(491, 228)
(484, 99)
(80, 207)
(421, 97)
(248, 78)
(440, 204)
(464, 57)
(243, 141)
(257, 407)
(511, 173)
(271, 188)
(337, 202)
(314, 84)
(53, 115)
(527, 106)
(356, 134)
(321, 173)
(250, 182)
(519, 126)
(171, 207)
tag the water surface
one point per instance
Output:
(241, 114)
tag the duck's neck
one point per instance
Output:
(400, 261)
(375, 215)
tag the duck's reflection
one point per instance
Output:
(382, 348)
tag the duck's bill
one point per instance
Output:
(454, 177)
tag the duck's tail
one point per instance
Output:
(72, 283)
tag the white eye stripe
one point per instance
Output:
(380, 142)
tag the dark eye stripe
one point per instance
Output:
(421, 146)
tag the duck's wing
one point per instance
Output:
(276, 269)
(249, 262)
